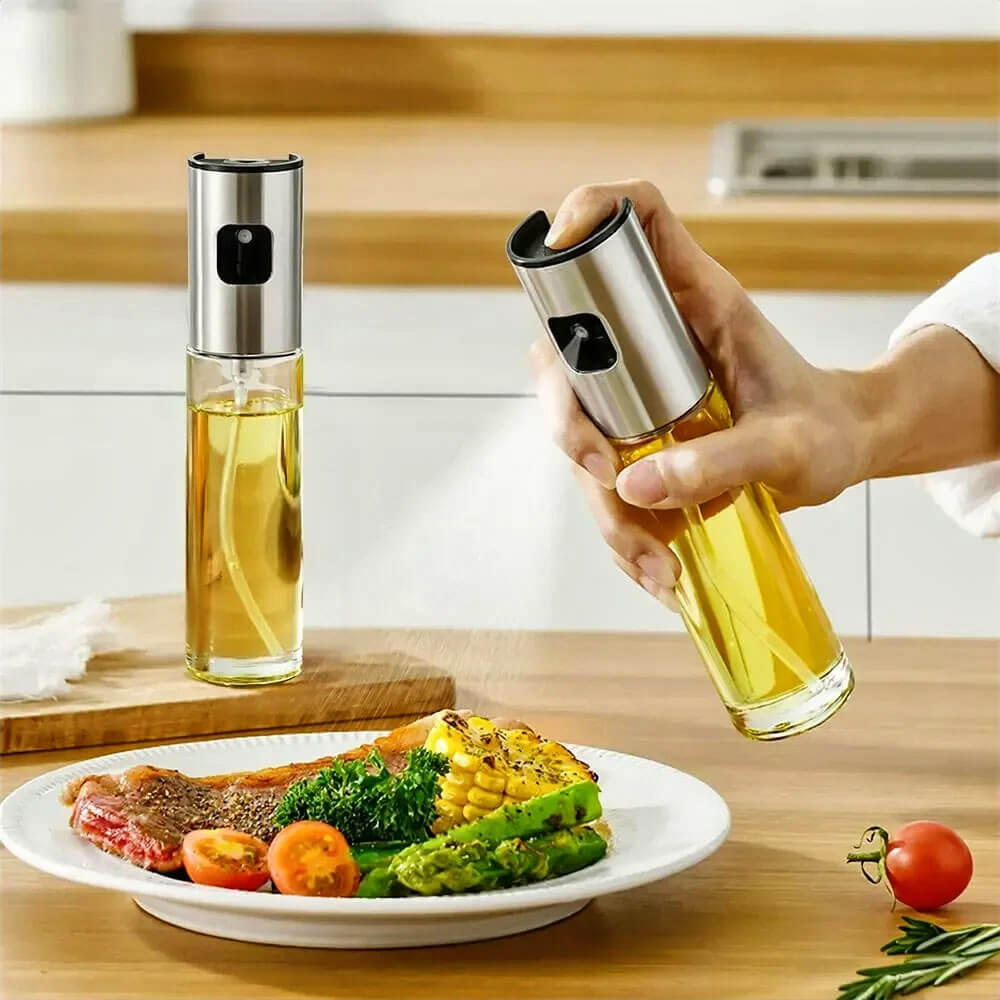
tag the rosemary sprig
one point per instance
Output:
(936, 955)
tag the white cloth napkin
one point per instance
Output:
(39, 655)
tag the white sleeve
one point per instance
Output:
(970, 304)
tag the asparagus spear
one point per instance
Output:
(378, 884)
(434, 868)
(572, 805)
(376, 855)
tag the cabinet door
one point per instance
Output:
(929, 577)
(430, 499)
(431, 512)
(367, 341)
(460, 513)
(357, 341)
(92, 497)
(452, 513)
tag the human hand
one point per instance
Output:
(797, 428)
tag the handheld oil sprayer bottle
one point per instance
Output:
(244, 391)
(637, 371)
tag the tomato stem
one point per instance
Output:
(865, 854)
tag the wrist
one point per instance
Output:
(872, 424)
(910, 406)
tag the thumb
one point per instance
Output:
(700, 470)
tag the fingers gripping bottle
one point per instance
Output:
(635, 367)
(244, 388)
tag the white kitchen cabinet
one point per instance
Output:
(92, 497)
(131, 338)
(929, 577)
(358, 341)
(433, 494)
(435, 512)
(460, 513)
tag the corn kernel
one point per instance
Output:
(465, 761)
(484, 800)
(450, 810)
(452, 792)
(489, 780)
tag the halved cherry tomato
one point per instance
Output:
(226, 858)
(312, 859)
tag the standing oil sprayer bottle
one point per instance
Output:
(244, 390)
(635, 367)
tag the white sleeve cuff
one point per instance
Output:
(970, 304)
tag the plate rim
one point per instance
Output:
(558, 891)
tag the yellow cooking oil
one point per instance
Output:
(244, 538)
(746, 599)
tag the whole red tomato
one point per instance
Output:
(927, 864)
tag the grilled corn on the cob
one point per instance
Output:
(491, 767)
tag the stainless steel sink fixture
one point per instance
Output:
(873, 156)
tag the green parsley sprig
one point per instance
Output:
(367, 802)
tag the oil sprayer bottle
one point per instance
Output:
(244, 390)
(634, 365)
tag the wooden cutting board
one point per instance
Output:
(144, 693)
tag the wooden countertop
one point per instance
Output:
(774, 914)
(430, 200)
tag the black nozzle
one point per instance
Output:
(243, 254)
(584, 342)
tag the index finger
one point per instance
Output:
(571, 428)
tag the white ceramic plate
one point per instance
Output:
(662, 821)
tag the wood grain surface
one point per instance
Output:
(144, 692)
(431, 201)
(622, 79)
(774, 915)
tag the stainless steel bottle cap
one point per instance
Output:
(629, 355)
(245, 255)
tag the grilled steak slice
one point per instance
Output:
(143, 814)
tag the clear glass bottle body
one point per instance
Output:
(746, 599)
(244, 519)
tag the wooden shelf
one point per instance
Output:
(430, 200)
(614, 79)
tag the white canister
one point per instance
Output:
(64, 59)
